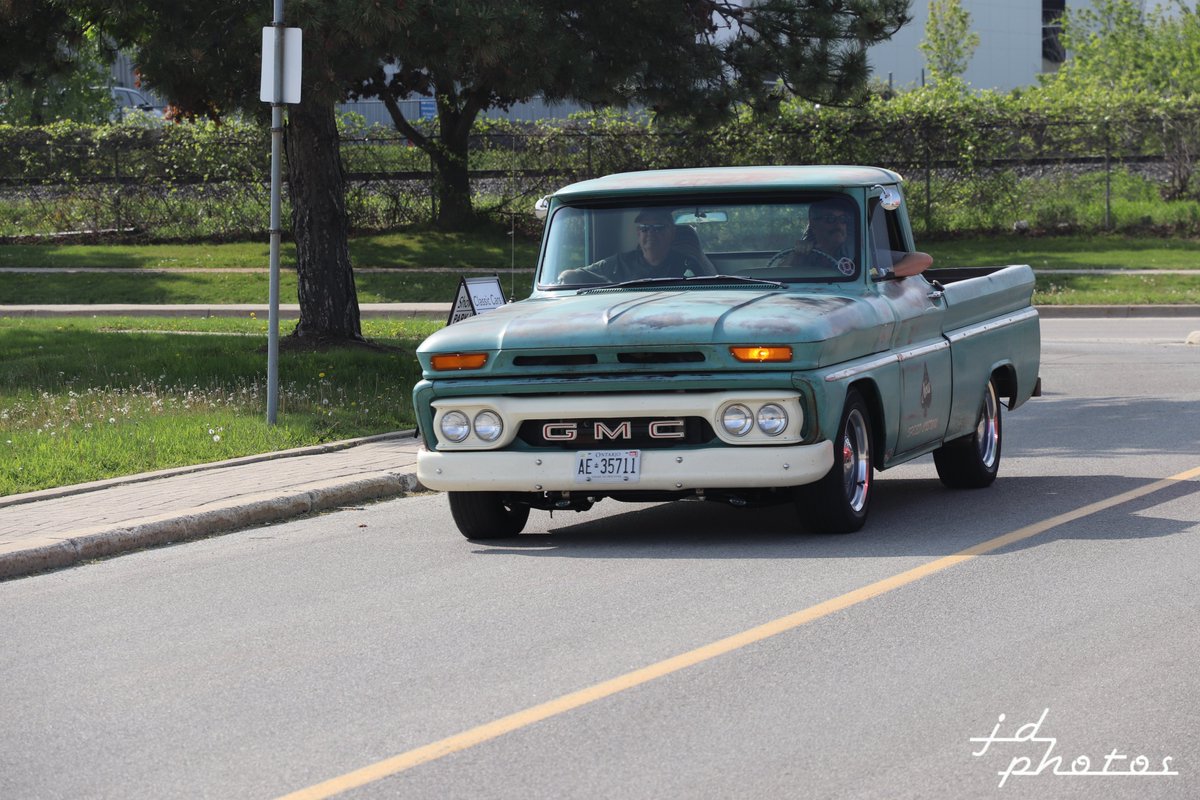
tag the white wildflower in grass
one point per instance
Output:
(216, 437)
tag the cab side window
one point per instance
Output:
(887, 240)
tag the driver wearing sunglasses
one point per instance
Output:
(660, 253)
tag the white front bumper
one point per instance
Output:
(661, 470)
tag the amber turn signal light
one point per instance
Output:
(761, 354)
(451, 361)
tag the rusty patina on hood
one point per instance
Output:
(825, 328)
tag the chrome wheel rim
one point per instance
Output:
(987, 433)
(856, 461)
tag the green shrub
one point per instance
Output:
(976, 162)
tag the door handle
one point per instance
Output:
(936, 295)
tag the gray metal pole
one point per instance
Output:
(276, 225)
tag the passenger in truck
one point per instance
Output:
(827, 243)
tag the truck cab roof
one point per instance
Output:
(725, 179)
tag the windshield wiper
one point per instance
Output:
(666, 281)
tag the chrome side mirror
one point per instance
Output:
(889, 198)
(542, 207)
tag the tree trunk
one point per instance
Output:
(447, 150)
(452, 181)
(316, 185)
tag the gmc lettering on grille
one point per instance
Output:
(569, 431)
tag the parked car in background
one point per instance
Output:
(129, 101)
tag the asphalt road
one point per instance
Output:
(294, 656)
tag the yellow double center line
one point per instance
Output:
(568, 702)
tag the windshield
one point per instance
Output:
(809, 239)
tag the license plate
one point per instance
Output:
(608, 466)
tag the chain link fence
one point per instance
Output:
(169, 184)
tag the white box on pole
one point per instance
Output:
(291, 66)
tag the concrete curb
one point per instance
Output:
(122, 480)
(1114, 312)
(429, 311)
(190, 524)
(440, 311)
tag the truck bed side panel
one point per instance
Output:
(981, 298)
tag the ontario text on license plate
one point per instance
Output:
(608, 466)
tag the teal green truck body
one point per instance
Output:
(760, 368)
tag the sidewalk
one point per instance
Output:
(441, 311)
(57, 528)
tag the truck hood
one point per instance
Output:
(853, 325)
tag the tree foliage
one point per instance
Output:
(1120, 57)
(976, 161)
(949, 41)
(1116, 45)
(51, 65)
(205, 57)
(695, 60)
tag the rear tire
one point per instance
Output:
(486, 515)
(839, 502)
(972, 461)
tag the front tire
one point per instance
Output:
(972, 461)
(839, 502)
(487, 515)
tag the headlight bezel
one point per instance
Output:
(788, 411)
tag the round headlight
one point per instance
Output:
(455, 426)
(737, 419)
(772, 419)
(488, 426)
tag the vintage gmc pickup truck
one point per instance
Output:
(735, 334)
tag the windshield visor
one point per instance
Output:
(811, 239)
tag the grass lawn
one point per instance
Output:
(1117, 290)
(439, 287)
(85, 399)
(410, 286)
(1097, 254)
(487, 248)
(1067, 252)
(408, 283)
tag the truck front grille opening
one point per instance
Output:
(573, 360)
(683, 357)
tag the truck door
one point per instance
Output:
(925, 367)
